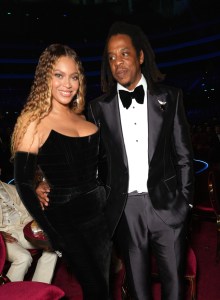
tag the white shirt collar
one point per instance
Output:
(141, 82)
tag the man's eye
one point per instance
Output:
(111, 58)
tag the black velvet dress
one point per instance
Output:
(74, 220)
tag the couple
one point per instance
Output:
(143, 151)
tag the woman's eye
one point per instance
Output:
(58, 75)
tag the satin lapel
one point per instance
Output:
(112, 122)
(156, 115)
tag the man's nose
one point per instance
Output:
(118, 60)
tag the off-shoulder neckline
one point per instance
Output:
(69, 136)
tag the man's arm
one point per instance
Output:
(92, 116)
(42, 191)
(42, 188)
(184, 151)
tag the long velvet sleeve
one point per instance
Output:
(25, 166)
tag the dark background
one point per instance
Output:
(184, 34)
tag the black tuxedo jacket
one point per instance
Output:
(170, 178)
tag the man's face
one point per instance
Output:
(124, 63)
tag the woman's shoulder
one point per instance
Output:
(29, 140)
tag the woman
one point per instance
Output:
(52, 135)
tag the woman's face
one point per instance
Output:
(65, 80)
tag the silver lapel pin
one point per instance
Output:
(162, 104)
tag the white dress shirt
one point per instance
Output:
(135, 132)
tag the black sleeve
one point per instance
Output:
(92, 116)
(25, 166)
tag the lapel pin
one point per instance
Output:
(162, 104)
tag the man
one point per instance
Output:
(13, 218)
(149, 174)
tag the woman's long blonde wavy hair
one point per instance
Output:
(39, 101)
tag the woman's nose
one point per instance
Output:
(67, 82)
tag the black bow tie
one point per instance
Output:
(126, 97)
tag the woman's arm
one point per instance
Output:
(25, 170)
(25, 165)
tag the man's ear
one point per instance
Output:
(141, 59)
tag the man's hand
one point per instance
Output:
(42, 191)
(8, 237)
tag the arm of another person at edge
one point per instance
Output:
(8, 238)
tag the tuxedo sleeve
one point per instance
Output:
(184, 151)
(94, 117)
